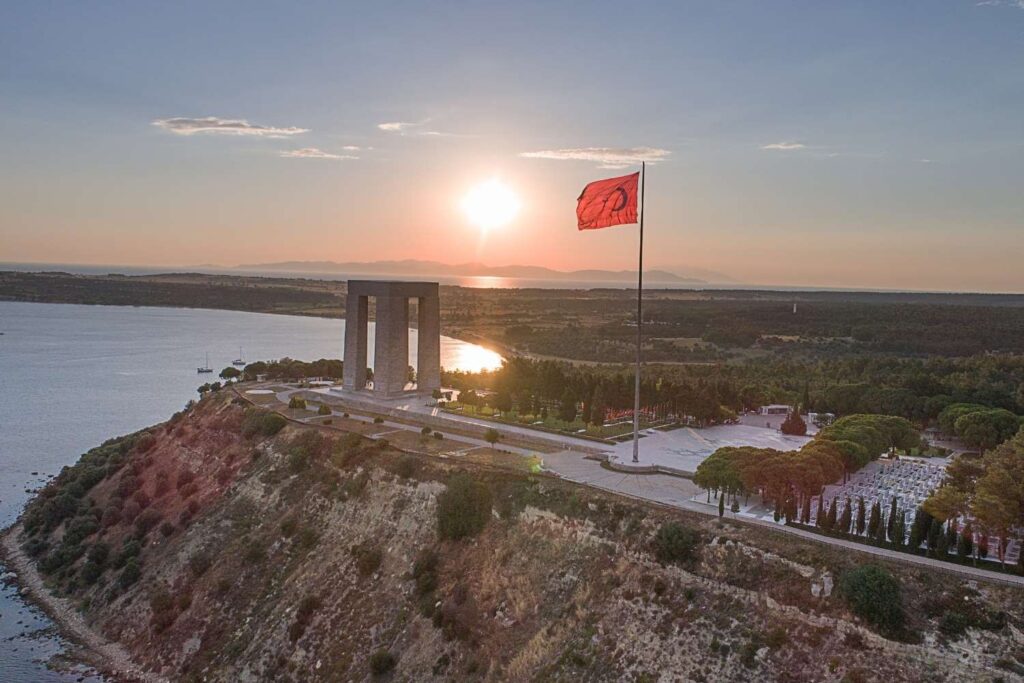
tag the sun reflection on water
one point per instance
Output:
(468, 357)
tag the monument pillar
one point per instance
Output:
(391, 345)
(428, 344)
(356, 319)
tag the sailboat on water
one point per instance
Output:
(206, 368)
(239, 361)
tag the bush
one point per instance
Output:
(199, 564)
(259, 422)
(463, 508)
(297, 403)
(378, 420)
(130, 574)
(873, 594)
(425, 431)
(424, 571)
(492, 436)
(381, 662)
(368, 559)
(324, 409)
(675, 543)
(438, 435)
(146, 521)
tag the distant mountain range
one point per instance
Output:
(414, 267)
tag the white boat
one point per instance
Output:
(206, 368)
(238, 361)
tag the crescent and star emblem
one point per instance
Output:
(623, 199)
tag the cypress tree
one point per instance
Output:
(806, 516)
(735, 504)
(721, 505)
(951, 533)
(983, 546)
(819, 521)
(830, 519)
(965, 543)
(846, 518)
(875, 520)
(919, 530)
(942, 547)
(899, 530)
(934, 533)
(892, 517)
(860, 516)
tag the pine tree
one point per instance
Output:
(860, 516)
(819, 521)
(721, 505)
(846, 518)
(875, 520)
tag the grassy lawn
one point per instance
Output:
(552, 424)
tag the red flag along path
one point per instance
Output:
(608, 202)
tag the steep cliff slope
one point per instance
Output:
(225, 545)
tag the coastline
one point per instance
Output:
(88, 646)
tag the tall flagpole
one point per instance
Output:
(639, 320)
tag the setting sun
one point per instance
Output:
(490, 204)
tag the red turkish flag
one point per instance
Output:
(608, 202)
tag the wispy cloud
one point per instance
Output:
(218, 126)
(784, 146)
(605, 157)
(411, 128)
(314, 153)
(353, 148)
(1019, 4)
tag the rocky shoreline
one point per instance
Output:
(89, 647)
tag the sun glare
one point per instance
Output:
(490, 204)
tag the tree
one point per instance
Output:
(721, 504)
(503, 402)
(846, 518)
(819, 520)
(892, 518)
(567, 406)
(492, 436)
(965, 543)
(736, 508)
(830, 518)
(875, 521)
(230, 373)
(805, 515)
(899, 531)
(860, 516)
(942, 546)
(794, 424)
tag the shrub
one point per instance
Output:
(289, 525)
(199, 564)
(463, 508)
(424, 571)
(675, 543)
(303, 615)
(130, 574)
(425, 431)
(259, 422)
(146, 521)
(381, 662)
(873, 594)
(324, 409)
(492, 436)
(378, 420)
(368, 558)
(166, 529)
(438, 435)
(406, 467)
(297, 403)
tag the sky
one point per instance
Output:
(843, 144)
